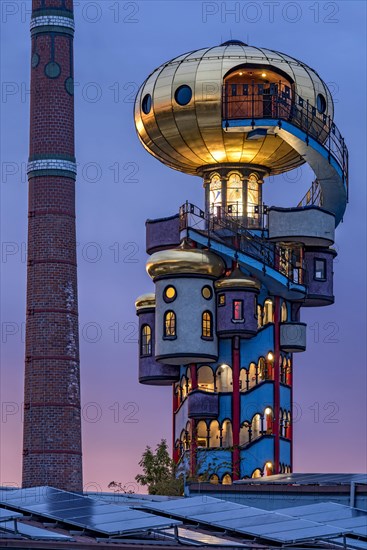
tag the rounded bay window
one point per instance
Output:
(150, 371)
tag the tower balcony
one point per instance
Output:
(162, 233)
(293, 337)
(155, 374)
(203, 404)
(309, 225)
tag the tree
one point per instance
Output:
(159, 472)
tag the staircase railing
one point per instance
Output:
(280, 258)
(277, 101)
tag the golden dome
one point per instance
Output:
(145, 301)
(237, 280)
(185, 261)
(187, 133)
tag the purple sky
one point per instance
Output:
(119, 185)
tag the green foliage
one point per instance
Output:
(159, 472)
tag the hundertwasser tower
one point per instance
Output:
(52, 424)
(232, 277)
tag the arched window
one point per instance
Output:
(235, 195)
(224, 378)
(183, 387)
(259, 316)
(215, 439)
(262, 370)
(170, 324)
(268, 311)
(244, 433)
(207, 325)
(256, 473)
(188, 379)
(268, 420)
(227, 438)
(215, 194)
(256, 426)
(214, 479)
(283, 312)
(202, 434)
(253, 196)
(289, 373)
(206, 378)
(243, 380)
(268, 470)
(146, 341)
(227, 480)
(252, 376)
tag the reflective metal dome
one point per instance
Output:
(184, 261)
(179, 108)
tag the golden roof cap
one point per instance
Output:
(145, 301)
(187, 134)
(237, 280)
(185, 260)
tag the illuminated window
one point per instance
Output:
(284, 313)
(256, 473)
(202, 434)
(320, 269)
(262, 370)
(205, 377)
(237, 310)
(215, 193)
(234, 195)
(227, 480)
(253, 195)
(170, 324)
(169, 294)
(146, 340)
(221, 300)
(207, 325)
(214, 479)
(268, 311)
(207, 292)
(259, 316)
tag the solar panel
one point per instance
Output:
(351, 543)
(35, 533)
(332, 513)
(83, 512)
(8, 515)
(278, 527)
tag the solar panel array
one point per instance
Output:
(83, 512)
(332, 513)
(246, 520)
(306, 479)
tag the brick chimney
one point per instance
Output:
(52, 453)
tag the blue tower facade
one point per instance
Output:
(224, 322)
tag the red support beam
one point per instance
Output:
(236, 361)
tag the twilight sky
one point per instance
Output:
(117, 44)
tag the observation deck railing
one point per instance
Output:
(273, 255)
(278, 101)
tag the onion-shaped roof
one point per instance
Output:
(145, 301)
(178, 109)
(237, 280)
(185, 261)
